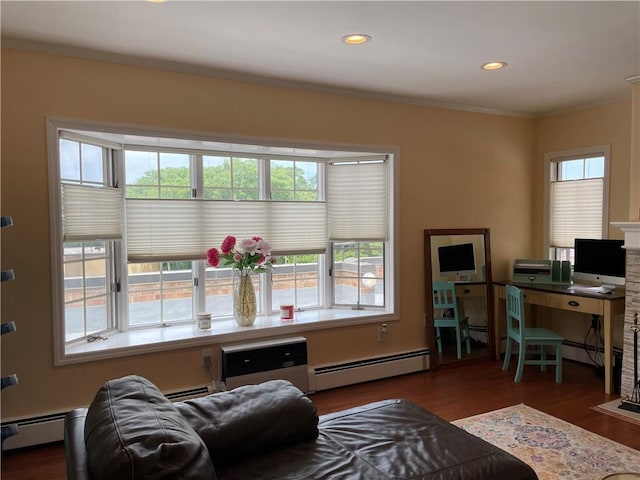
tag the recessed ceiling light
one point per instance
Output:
(356, 39)
(494, 65)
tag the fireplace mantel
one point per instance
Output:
(631, 233)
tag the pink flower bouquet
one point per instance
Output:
(248, 255)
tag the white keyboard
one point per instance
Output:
(591, 289)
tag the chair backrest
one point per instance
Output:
(444, 299)
(515, 312)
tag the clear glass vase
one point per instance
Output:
(244, 300)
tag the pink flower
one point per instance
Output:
(213, 257)
(261, 259)
(237, 257)
(248, 245)
(263, 247)
(227, 244)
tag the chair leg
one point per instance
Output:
(543, 358)
(507, 355)
(559, 362)
(521, 358)
(468, 341)
(458, 343)
(438, 340)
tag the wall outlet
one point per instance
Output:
(207, 356)
(382, 332)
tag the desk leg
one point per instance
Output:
(608, 348)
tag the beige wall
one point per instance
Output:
(457, 169)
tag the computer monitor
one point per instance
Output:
(599, 261)
(457, 260)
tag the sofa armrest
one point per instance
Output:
(74, 446)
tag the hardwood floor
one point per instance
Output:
(456, 391)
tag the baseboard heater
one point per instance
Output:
(365, 370)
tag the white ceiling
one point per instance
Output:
(560, 55)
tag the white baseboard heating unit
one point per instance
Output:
(251, 363)
(365, 370)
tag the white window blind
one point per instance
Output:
(357, 201)
(162, 229)
(91, 212)
(576, 209)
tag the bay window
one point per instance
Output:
(133, 215)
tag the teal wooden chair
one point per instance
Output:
(445, 315)
(517, 331)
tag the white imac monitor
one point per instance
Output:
(599, 261)
(457, 260)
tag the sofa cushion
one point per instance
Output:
(133, 431)
(386, 440)
(251, 419)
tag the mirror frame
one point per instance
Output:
(428, 282)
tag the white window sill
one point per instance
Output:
(151, 340)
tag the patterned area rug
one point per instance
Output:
(555, 449)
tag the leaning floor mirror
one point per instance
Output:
(458, 294)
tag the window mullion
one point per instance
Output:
(196, 173)
(199, 290)
(118, 259)
(264, 179)
(121, 276)
(199, 274)
(264, 192)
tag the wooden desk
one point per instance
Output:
(558, 296)
(470, 289)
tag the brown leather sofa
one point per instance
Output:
(269, 431)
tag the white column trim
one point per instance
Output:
(631, 233)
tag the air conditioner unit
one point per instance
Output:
(252, 363)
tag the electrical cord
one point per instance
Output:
(596, 356)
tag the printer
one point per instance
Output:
(528, 270)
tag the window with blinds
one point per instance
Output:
(91, 221)
(577, 199)
(136, 215)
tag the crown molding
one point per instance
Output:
(181, 67)
(586, 106)
(232, 75)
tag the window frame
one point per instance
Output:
(550, 171)
(127, 340)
